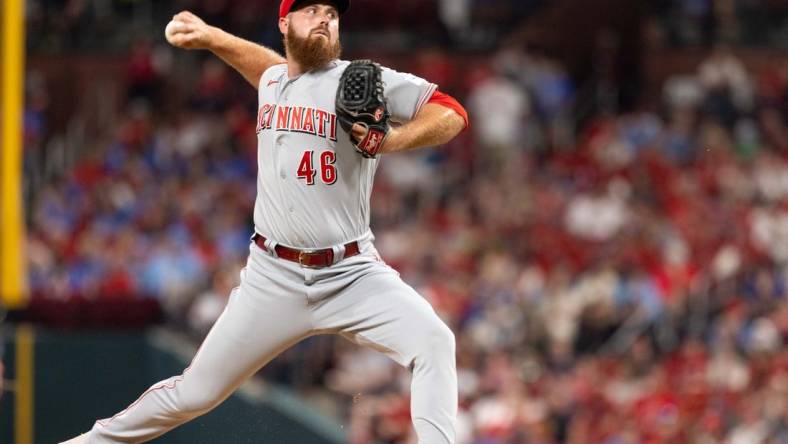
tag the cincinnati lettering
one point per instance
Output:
(297, 119)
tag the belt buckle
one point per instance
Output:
(302, 255)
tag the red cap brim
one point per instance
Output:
(288, 5)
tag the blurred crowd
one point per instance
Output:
(702, 22)
(57, 25)
(621, 282)
(629, 287)
(110, 26)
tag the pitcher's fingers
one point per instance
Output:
(190, 27)
(358, 131)
(179, 27)
(188, 17)
(185, 39)
(183, 16)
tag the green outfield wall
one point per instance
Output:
(78, 377)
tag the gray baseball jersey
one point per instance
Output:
(313, 188)
(313, 192)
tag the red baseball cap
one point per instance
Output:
(288, 5)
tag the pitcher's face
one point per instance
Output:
(311, 34)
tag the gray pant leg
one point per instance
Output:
(380, 310)
(261, 320)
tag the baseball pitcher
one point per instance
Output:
(323, 125)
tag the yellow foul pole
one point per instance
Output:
(13, 273)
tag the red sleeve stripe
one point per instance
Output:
(450, 102)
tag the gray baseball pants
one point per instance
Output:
(279, 303)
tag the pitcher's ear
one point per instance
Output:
(284, 23)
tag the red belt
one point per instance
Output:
(307, 258)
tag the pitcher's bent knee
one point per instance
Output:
(200, 401)
(438, 341)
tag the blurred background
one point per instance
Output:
(608, 241)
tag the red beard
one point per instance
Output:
(311, 52)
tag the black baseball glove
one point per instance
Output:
(360, 100)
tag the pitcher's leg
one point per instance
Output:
(381, 311)
(253, 329)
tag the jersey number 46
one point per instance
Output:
(328, 172)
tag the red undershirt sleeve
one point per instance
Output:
(450, 102)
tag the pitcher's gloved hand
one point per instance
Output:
(360, 101)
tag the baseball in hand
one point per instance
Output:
(172, 27)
